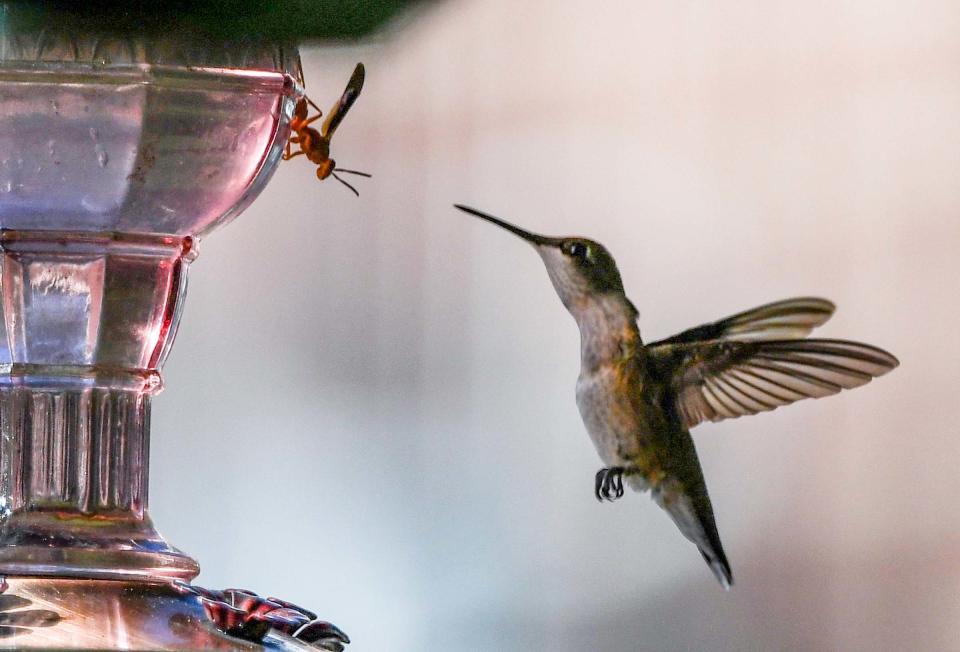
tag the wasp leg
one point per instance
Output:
(287, 158)
(287, 149)
(310, 102)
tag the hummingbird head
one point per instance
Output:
(581, 270)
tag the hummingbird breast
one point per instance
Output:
(621, 425)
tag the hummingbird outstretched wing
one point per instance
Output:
(732, 368)
(781, 320)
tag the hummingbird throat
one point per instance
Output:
(608, 329)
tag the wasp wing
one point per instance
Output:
(724, 379)
(788, 319)
(350, 94)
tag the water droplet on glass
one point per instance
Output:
(93, 134)
(6, 186)
(102, 157)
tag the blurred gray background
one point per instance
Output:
(370, 408)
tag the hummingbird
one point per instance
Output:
(639, 401)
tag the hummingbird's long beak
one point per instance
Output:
(532, 238)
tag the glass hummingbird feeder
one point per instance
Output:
(116, 156)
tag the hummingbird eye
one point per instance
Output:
(577, 250)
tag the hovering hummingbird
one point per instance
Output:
(638, 401)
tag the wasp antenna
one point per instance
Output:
(356, 172)
(345, 183)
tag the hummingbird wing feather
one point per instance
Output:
(781, 320)
(725, 379)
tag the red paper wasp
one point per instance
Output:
(316, 144)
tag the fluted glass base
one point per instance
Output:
(73, 477)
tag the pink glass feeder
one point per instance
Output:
(116, 157)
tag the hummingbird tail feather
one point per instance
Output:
(720, 567)
(693, 515)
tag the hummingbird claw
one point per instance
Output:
(609, 483)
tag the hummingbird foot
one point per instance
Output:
(609, 483)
